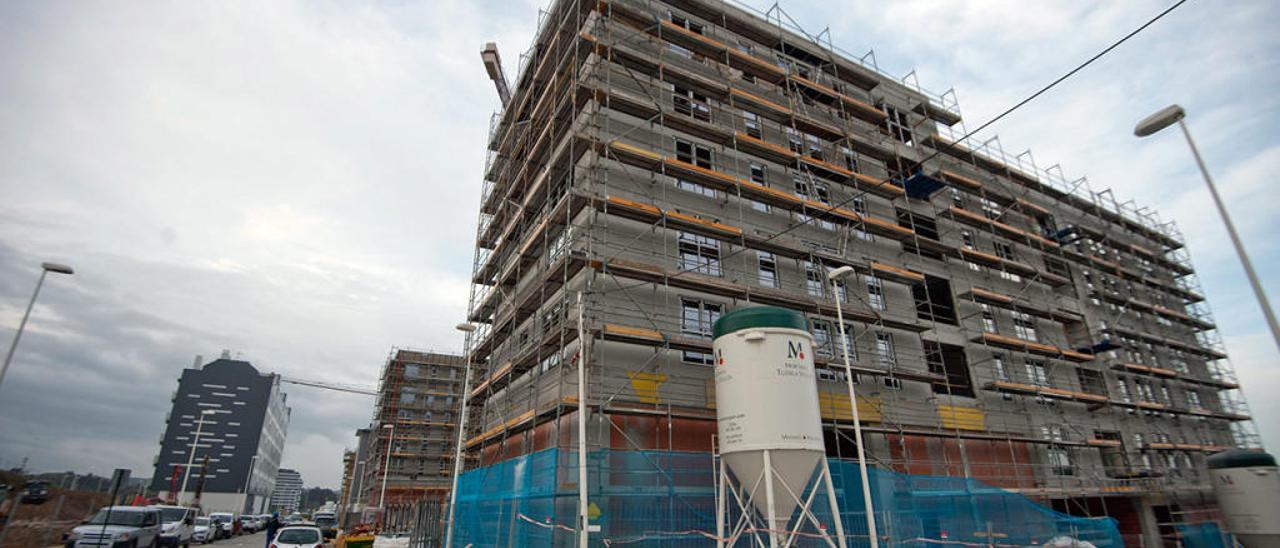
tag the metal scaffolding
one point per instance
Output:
(660, 163)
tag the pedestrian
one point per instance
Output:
(273, 525)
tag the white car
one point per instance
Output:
(298, 537)
(203, 531)
(177, 524)
(226, 524)
(117, 526)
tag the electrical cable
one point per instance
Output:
(811, 218)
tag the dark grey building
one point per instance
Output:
(245, 419)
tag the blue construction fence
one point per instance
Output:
(667, 498)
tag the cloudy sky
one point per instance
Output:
(296, 181)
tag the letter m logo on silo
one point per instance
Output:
(795, 349)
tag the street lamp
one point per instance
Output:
(382, 498)
(468, 329)
(186, 473)
(835, 276)
(45, 268)
(1174, 114)
(247, 481)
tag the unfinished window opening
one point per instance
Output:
(696, 320)
(875, 293)
(1005, 251)
(814, 146)
(751, 124)
(933, 300)
(1037, 372)
(822, 341)
(1092, 382)
(859, 205)
(1024, 326)
(850, 159)
(950, 362)
(924, 227)
(699, 254)
(691, 103)
(1057, 267)
(813, 279)
(1059, 457)
(1193, 399)
(697, 155)
(795, 141)
(813, 190)
(760, 176)
(885, 351)
(768, 269)
(997, 367)
(898, 125)
(684, 23)
(749, 50)
(1145, 391)
(1048, 227)
(990, 209)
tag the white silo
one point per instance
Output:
(769, 424)
(1247, 485)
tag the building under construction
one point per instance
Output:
(415, 419)
(1014, 332)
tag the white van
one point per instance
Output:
(178, 525)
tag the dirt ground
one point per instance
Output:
(44, 524)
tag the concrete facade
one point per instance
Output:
(287, 495)
(669, 161)
(243, 438)
(420, 394)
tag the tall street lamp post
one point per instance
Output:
(835, 276)
(45, 269)
(468, 329)
(191, 458)
(1173, 114)
(386, 468)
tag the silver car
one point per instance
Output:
(114, 526)
(204, 531)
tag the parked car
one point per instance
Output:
(226, 524)
(204, 530)
(249, 524)
(298, 536)
(327, 523)
(176, 526)
(36, 492)
(131, 526)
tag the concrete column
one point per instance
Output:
(1147, 520)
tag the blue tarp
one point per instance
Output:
(667, 498)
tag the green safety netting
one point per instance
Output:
(667, 498)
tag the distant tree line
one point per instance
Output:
(315, 497)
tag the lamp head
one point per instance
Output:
(1164, 118)
(57, 268)
(840, 273)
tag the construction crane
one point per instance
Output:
(493, 65)
(331, 386)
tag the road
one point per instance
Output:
(256, 540)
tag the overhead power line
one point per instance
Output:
(901, 173)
